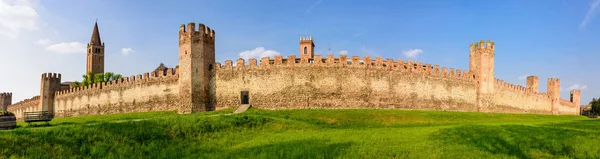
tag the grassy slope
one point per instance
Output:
(309, 134)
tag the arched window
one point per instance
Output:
(305, 50)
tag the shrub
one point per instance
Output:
(6, 113)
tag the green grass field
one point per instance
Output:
(308, 134)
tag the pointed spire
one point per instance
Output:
(96, 35)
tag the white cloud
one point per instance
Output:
(412, 53)
(258, 52)
(590, 14)
(16, 16)
(343, 52)
(358, 34)
(67, 48)
(43, 42)
(313, 6)
(578, 87)
(524, 77)
(126, 51)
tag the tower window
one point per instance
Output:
(305, 50)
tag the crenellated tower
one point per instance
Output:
(196, 73)
(95, 53)
(5, 100)
(576, 97)
(482, 66)
(307, 47)
(532, 83)
(50, 83)
(554, 93)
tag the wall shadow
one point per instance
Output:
(310, 148)
(523, 141)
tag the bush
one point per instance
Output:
(6, 113)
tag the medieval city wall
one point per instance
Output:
(155, 91)
(567, 107)
(330, 84)
(27, 105)
(307, 83)
(512, 98)
(327, 83)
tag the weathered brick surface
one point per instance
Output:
(128, 95)
(308, 82)
(344, 86)
(27, 105)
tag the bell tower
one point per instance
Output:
(307, 47)
(95, 53)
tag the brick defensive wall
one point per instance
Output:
(309, 82)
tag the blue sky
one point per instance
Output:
(546, 38)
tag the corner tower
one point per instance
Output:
(95, 53)
(307, 47)
(482, 66)
(196, 73)
(5, 101)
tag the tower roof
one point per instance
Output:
(96, 36)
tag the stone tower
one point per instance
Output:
(50, 83)
(95, 53)
(196, 73)
(554, 93)
(482, 66)
(307, 48)
(5, 101)
(532, 83)
(576, 97)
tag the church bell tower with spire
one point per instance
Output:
(95, 53)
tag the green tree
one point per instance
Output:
(99, 78)
(117, 77)
(85, 80)
(108, 76)
(595, 103)
(90, 78)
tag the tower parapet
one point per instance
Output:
(5, 100)
(50, 83)
(196, 62)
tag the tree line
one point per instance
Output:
(91, 78)
(593, 108)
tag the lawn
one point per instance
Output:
(308, 134)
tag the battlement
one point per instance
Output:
(306, 39)
(51, 76)
(170, 75)
(482, 45)
(201, 30)
(501, 84)
(343, 61)
(34, 98)
(554, 80)
(6, 95)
